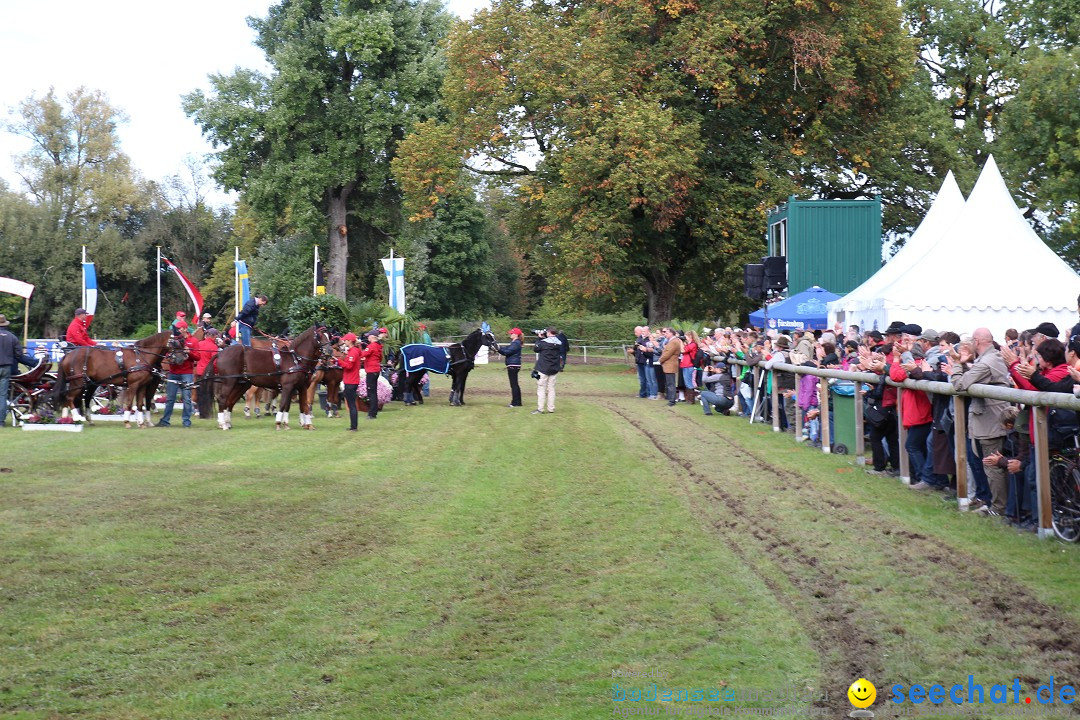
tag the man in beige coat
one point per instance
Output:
(985, 416)
(669, 361)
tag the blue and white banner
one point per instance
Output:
(89, 287)
(394, 267)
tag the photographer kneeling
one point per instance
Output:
(717, 382)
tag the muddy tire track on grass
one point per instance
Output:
(1045, 640)
(822, 602)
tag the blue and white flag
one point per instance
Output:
(394, 268)
(89, 287)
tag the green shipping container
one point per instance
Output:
(834, 244)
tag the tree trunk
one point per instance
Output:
(660, 290)
(337, 203)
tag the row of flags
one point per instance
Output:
(393, 268)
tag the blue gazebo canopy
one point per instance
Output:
(807, 310)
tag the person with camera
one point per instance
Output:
(717, 385)
(644, 349)
(548, 364)
(512, 353)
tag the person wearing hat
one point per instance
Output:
(181, 376)
(10, 352)
(350, 363)
(206, 322)
(371, 356)
(885, 432)
(77, 332)
(512, 353)
(180, 316)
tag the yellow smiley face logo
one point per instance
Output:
(862, 693)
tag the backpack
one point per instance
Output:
(699, 358)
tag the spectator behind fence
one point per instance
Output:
(1049, 373)
(916, 412)
(984, 365)
(785, 381)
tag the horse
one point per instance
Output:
(331, 375)
(135, 368)
(414, 360)
(286, 369)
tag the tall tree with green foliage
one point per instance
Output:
(312, 142)
(650, 137)
(80, 189)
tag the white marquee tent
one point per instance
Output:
(983, 266)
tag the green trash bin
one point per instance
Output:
(843, 416)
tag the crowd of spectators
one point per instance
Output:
(683, 367)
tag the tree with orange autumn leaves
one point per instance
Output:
(648, 138)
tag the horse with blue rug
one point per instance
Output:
(456, 360)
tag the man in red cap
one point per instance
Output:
(77, 331)
(181, 317)
(512, 352)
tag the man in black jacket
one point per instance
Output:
(549, 349)
(10, 351)
(248, 317)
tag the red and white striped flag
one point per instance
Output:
(192, 291)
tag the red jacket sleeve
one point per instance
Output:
(897, 373)
(1021, 382)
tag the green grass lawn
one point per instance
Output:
(482, 562)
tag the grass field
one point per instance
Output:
(482, 562)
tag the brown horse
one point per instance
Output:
(286, 369)
(133, 368)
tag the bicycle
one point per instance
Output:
(1065, 494)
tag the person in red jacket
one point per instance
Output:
(181, 375)
(372, 358)
(77, 332)
(917, 413)
(350, 363)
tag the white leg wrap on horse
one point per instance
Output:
(284, 418)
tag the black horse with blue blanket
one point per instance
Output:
(456, 361)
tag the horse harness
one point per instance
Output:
(119, 355)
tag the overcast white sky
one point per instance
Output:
(143, 55)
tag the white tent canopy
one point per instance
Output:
(946, 207)
(986, 268)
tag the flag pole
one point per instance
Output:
(158, 273)
(83, 303)
(315, 273)
(236, 283)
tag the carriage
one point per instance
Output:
(31, 392)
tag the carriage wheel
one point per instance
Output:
(20, 404)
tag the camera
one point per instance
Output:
(535, 374)
(540, 333)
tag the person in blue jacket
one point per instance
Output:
(248, 317)
(513, 365)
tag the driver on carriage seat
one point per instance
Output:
(77, 331)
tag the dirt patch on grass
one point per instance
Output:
(822, 601)
(847, 627)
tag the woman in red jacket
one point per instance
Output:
(350, 363)
(686, 365)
